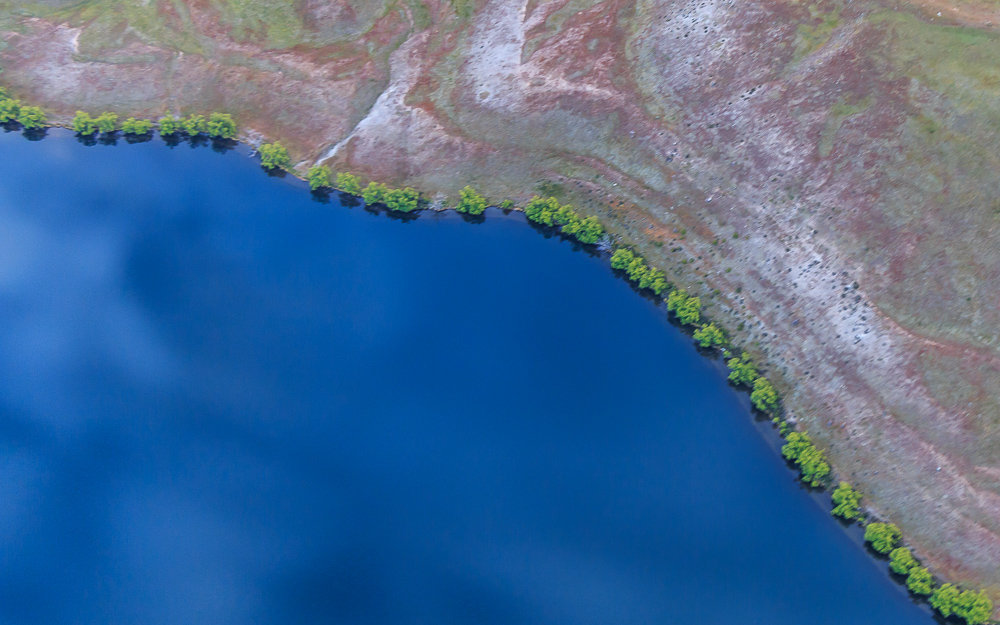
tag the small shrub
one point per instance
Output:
(31, 117)
(542, 210)
(742, 370)
(349, 183)
(170, 125)
(375, 193)
(274, 156)
(687, 308)
(319, 176)
(920, 581)
(812, 465)
(470, 202)
(403, 200)
(221, 126)
(882, 536)
(9, 110)
(107, 122)
(944, 599)
(133, 126)
(975, 607)
(901, 560)
(197, 124)
(846, 501)
(710, 336)
(84, 124)
(764, 397)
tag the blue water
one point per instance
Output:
(224, 402)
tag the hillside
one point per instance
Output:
(824, 174)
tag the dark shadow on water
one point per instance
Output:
(35, 134)
(348, 200)
(198, 141)
(320, 195)
(222, 146)
(277, 172)
(473, 219)
(172, 140)
(382, 209)
(109, 138)
(132, 139)
(11, 126)
(87, 140)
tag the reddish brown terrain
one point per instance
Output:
(825, 174)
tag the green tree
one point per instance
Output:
(621, 259)
(84, 124)
(274, 156)
(133, 126)
(846, 501)
(654, 280)
(590, 231)
(31, 117)
(710, 336)
(764, 397)
(920, 581)
(901, 560)
(742, 370)
(375, 193)
(9, 110)
(470, 202)
(687, 308)
(349, 183)
(197, 124)
(107, 122)
(542, 211)
(403, 200)
(882, 536)
(799, 449)
(319, 176)
(944, 599)
(221, 126)
(975, 607)
(170, 125)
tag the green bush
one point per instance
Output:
(196, 125)
(506, 205)
(470, 202)
(846, 501)
(542, 211)
(764, 397)
(349, 183)
(974, 607)
(920, 581)
(882, 536)
(31, 117)
(133, 126)
(375, 193)
(107, 122)
(638, 272)
(800, 449)
(589, 231)
(742, 370)
(221, 126)
(710, 336)
(402, 200)
(945, 599)
(319, 176)
(170, 125)
(274, 156)
(9, 109)
(687, 308)
(84, 124)
(901, 560)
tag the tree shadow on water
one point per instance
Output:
(348, 200)
(473, 219)
(321, 196)
(222, 146)
(172, 140)
(109, 138)
(35, 134)
(276, 172)
(87, 140)
(198, 141)
(382, 209)
(131, 139)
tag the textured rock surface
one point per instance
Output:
(851, 146)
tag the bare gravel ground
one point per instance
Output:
(824, 174)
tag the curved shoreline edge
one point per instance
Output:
(799, 450)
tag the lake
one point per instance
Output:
(222, 401)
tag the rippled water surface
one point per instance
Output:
(224, 402)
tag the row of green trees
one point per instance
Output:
(638, 271)
(216, 125)
(548, 212)
(11, 110)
